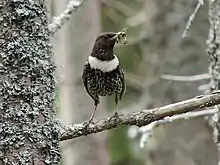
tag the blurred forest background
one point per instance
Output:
(154, 48)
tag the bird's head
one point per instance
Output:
(106, 40)
(104, 44)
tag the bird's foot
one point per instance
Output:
(86, 123)
(114, 117)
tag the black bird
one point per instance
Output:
(102, 73)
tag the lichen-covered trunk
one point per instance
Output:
(214, 65)
(28, 133)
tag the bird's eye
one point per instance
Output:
(106, 37)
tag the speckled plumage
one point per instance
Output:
(98, 83)
(105, 75)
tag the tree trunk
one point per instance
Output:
(29, 134)
(214, 58)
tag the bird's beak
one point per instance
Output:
(120, 35)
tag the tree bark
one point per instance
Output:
(28, 134)
(214, 58)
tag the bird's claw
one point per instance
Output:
(114, 117)
(90, 121)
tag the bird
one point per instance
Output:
(102, 73)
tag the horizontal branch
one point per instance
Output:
(141, 118)
(147, 130)
(186, 78)
(184, 116)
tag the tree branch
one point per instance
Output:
(192, 17)
(147, 130)
(185, 116)
(186, 78)
(59, 21)
(141, 118)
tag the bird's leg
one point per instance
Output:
(116, 111)
(116, 102)
(96, 102)
(92, 116)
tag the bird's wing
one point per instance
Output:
(85, 77)
(121, 75)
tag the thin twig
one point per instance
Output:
(59, 21)
(192, 17)
(186, 78)
(141, 118)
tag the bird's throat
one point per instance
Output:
(103, 54)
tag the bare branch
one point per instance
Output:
(141, 118)
(192, 17)
(186, 78)
(147, 130)
(59, 21)
(185, 116)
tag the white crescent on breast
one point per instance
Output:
(105, 66)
